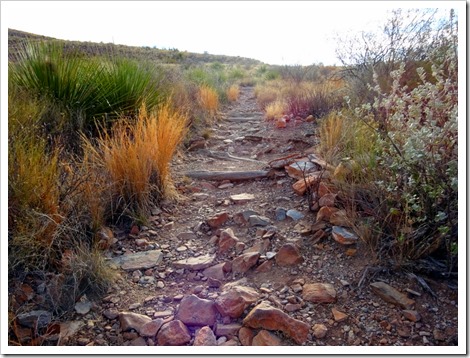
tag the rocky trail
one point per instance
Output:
(241, 259)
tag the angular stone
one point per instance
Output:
(244, 262)
(243, 217)
(83, 307)
(325, 213)
(327, 200)
(150, 329)
(288, 255)
(319, 330)
(242, 198)
(233, 301)
(205, 337)
(33, 319)
(131, 320)
(257, 220)
(215, 272)
(260, 246)
(245, 335)
(344, 236)
(292, 307)
(173, 333)
(412, 315)
(111, 313)
(320, 234)
(324, 189)
(139, 341)
(391, 295)
(319, 293)
(195, 311)
(195, 263)
(228, 330)
(218, 220)
(301, 185)
(265, 338)
(280, 214)
(227, 240)
(300, 168)
(340, 218)
(338, 315)
(139, 260)
(267, 317)
(266, 266)
(295, 214)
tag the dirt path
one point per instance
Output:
(275, 256)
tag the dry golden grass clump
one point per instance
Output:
(275, 110)
(233, 92)
(134, 158)
(208, 99)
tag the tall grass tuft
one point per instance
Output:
(233, 92)
(135, 157)
(208, 99)
(275, 110)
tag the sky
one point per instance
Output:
(274, 32)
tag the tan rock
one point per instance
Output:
(242, 198)
(150, 329)
(245, 335)
(195, 263)
(319, 330)
(267, 317)
(324, 189)
(195, 311)
(265, 338)
(218, 220)
(244, 262)
(325, 213)
(319, 293)
(327, 200)
(412, 315)
(340, 218)
(288, 255)
(173, 333)
(391, 295)
(131, 320)
(205, 337)
(301, 185)
(338, 315)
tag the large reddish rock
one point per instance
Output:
(173, 333)
(265, 338)
(216, 272)
(218, 220)
(131, 320)
(391, 295)
(235, 300)
(195, 311)
(319, 293)
(288, 255)
(205, 337)
(245, 335)
(267, 317)
(227, 240)
(244, 262)
(150, 329)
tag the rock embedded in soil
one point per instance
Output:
(245, 335)
(215, 272)
(295, 214)
(195, 311)
(173, 333)
(139, 260)
(267, 317)
(205, 337)
(244, 262)
(391, 295)
(288, 255)
(319, 330)
(257, 220)
(195, 263)
(242, 198)
(33, 319)
(233, 301)
(265, 338)
(227, 241)
(150, 329)
(228, 330)
(338, 315)
(412, 315)
(131, 320)
(319, 293)
(218, 220)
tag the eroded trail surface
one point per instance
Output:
(247, 260)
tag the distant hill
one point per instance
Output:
(17, 38)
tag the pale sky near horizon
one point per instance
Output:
(274, 32)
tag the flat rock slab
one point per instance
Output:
(195, 263)
(319, 293)
(242, 198)
(344, 236)
(391, 295)
(139, 261)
